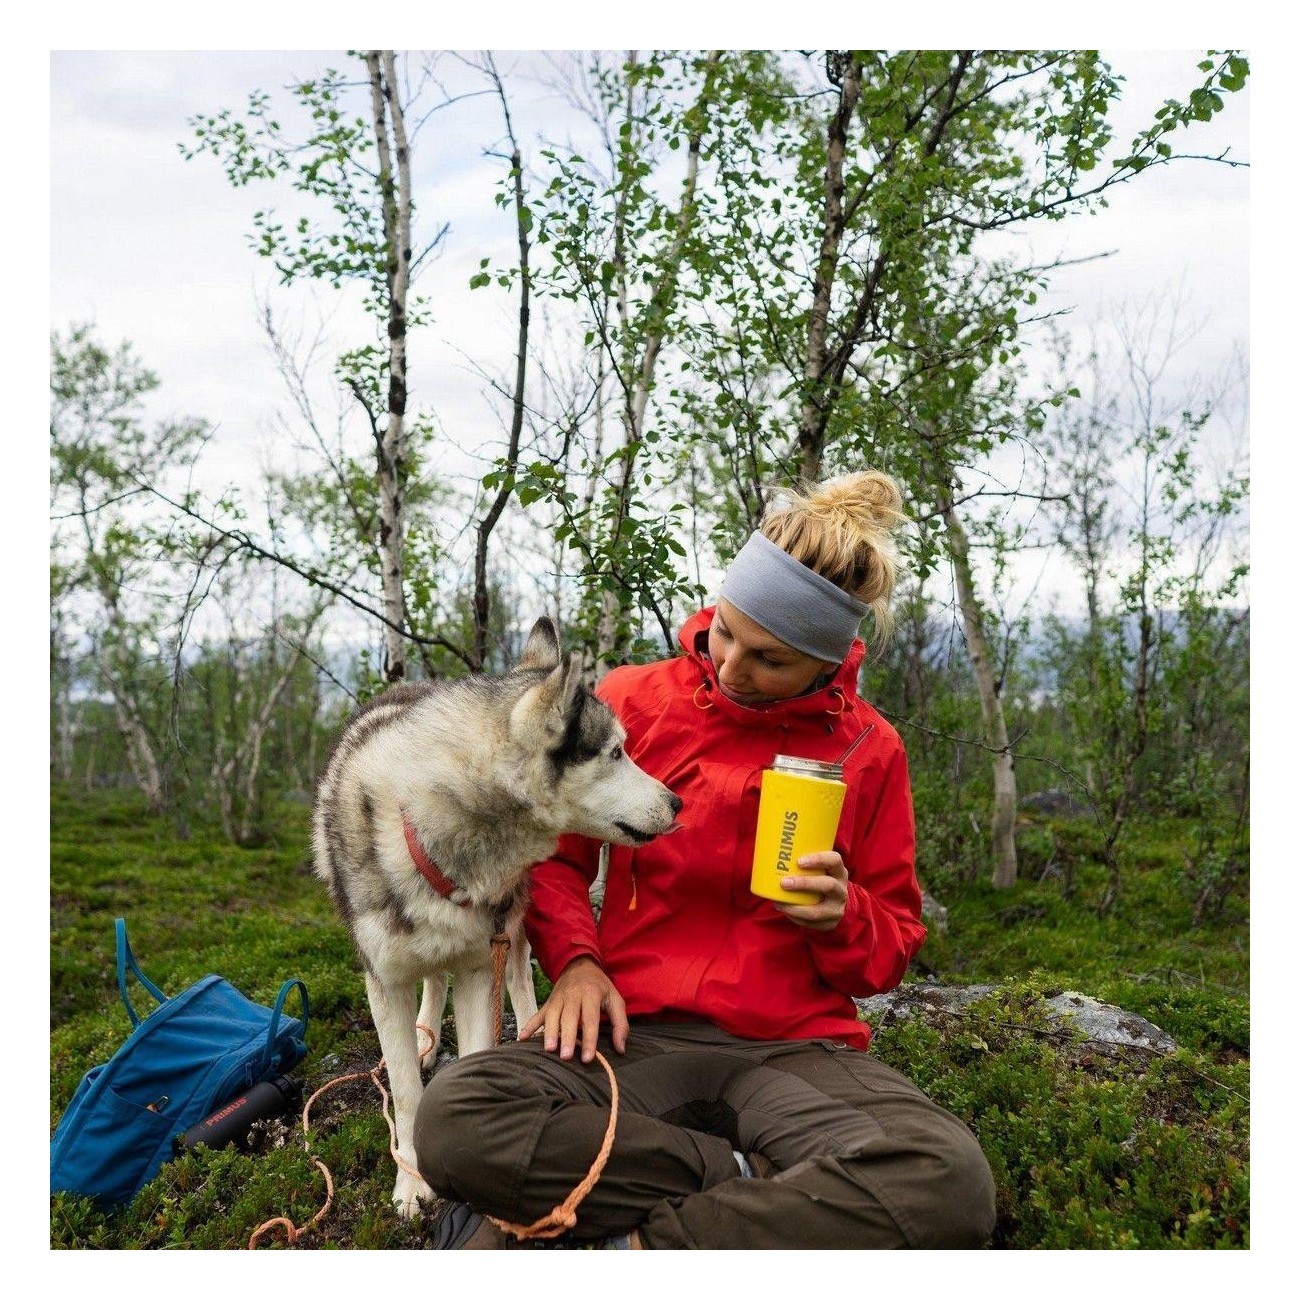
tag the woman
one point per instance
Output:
(750, 1114)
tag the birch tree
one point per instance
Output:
(245, 679)
(619, 251)
(904, 161)
(1152, 665)
(63, 672)
(855, 190)
(1003, 826)
(104, 454)
(394, 181)
(641, 342)
(356, 167)
(1080, 444)
(503, 478)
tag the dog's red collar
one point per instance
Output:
(428, 868)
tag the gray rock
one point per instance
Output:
(917, 999)
(1103, 1023)
(1098, 1021)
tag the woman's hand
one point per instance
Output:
(833, 886)
(573, 1011)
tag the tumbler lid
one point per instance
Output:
(808, 767)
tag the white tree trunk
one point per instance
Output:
(251, 748)
(140, 755)
(995, 724)
(815, 360)
(235, 771)
(67, 733)
(395, 188)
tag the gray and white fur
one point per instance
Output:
(490, 771)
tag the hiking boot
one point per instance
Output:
(455, 1226)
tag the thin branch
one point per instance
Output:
(488, 523)
(243, 542)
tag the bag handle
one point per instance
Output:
(126, 962)
(285, 989)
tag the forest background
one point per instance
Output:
(734, 269)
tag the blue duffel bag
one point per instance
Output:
(186, 1058)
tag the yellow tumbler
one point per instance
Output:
(798, 813)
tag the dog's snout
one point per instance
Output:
(674, 803)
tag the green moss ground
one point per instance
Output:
(1090, 1147)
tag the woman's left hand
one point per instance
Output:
(832, 883)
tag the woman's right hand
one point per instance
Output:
(572, 1012)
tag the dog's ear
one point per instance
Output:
(542, 649)
(567, 687)
(550, 706)
(558, 695)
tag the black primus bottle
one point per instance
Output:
(231, 1122)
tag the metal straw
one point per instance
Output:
(854, 743)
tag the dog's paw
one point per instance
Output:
(408, 1192)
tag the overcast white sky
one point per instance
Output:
(154, 248)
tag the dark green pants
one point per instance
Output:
(864, 1159)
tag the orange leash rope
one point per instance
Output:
(564, 1216)
(561, 1217)
(500, 951)
(291, 1232)
(294, 1233)
(559, 1220)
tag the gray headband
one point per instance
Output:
(790, 601)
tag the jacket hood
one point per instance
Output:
(835, 697)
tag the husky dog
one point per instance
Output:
(437, 798)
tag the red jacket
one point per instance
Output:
(680, 934)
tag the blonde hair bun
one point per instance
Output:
(842, 529)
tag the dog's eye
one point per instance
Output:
(616, 753)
